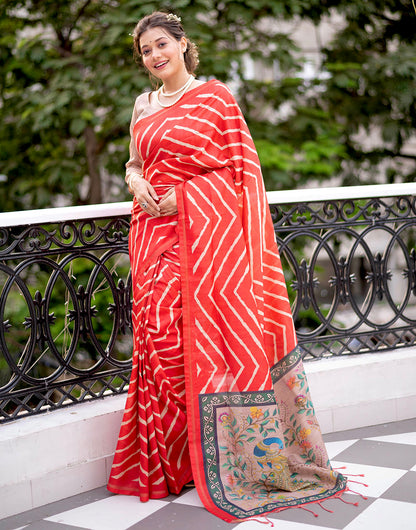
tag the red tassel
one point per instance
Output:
(356, 482)
(265, 520)
(347, 502)
(262, 521)
(323, 507)
(357, 493)
(307, 510)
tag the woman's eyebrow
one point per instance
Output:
(159, 38)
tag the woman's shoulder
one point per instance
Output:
(217, 84)
(214, 86)
(142, 106)
(220, 90)
(143, 99)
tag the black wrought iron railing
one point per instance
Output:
(65, 307)
(350, 266)
(349, 256)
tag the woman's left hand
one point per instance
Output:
(168, 204)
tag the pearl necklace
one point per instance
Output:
(183, 89)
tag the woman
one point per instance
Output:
(218, 394)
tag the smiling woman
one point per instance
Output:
(163, 56)
(217, 393)
(166, 52)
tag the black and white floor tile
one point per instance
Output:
(385, 454)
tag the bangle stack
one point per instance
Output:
(130, 177)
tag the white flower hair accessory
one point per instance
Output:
(173, 18)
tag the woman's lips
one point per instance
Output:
(160, 65)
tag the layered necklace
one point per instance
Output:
(181, 91)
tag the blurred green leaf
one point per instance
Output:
(67, 65)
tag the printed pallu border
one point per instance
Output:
(286, 364)
(230, 410)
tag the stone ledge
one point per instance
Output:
(363, 390)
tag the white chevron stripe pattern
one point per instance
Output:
(236, 312)
(152, 448)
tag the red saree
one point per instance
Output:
(218, 391)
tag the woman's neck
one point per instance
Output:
(174, 83)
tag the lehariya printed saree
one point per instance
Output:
(218, 393)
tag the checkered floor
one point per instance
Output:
(386, 454)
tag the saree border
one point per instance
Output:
(282, 367)
(209, 407)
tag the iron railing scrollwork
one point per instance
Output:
(352, 273)
(65, 314)
(65, 295)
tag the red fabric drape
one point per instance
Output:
(239, 343)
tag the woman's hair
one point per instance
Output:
(172, 25)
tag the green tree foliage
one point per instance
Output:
(371, 92)
(68, 82)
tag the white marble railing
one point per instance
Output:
(97, 211)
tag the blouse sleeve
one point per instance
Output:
(134, 164)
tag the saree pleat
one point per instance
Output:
(152, 457)
(218, 390)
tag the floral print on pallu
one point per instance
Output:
(297, 432)
(251, 455)
(248, 469)
(298, 416)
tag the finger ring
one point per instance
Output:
(144, 204)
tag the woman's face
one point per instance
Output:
(162, 54)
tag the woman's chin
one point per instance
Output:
(161, 73)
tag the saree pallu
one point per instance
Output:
(245, 427)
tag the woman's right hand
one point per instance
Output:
(145, 195)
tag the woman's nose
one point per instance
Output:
(155, 54)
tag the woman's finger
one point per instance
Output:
(152, 191)
(168, 205)
(168, 194)
(146, 196)
(149, 205)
